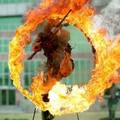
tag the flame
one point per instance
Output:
(63, 101)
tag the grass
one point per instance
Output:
(82, 116)
(19, 116)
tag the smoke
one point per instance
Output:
(108, 16)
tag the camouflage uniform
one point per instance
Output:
(112, 95)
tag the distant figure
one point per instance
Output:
(112, 95)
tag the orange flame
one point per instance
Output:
(107, 56)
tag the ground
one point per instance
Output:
(82, 116)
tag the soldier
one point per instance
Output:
(54, 42)
(112, 95)
(56, 48)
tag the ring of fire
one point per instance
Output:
(107, 58)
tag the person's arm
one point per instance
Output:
(107, 94)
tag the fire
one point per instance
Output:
(64, 99)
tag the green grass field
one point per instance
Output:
(82, 116)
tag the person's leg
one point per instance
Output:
(47, 116)
(110, 117)
(111, 114)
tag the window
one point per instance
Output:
(15, 1)
(28, 49)
(9, 23)
(4, 75)
(78, 41)
(81, 73)
(4, 46)
(8, 26)
(7, 97)
(30, 69)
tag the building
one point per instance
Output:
(11, 16)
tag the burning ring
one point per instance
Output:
(107, 58)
